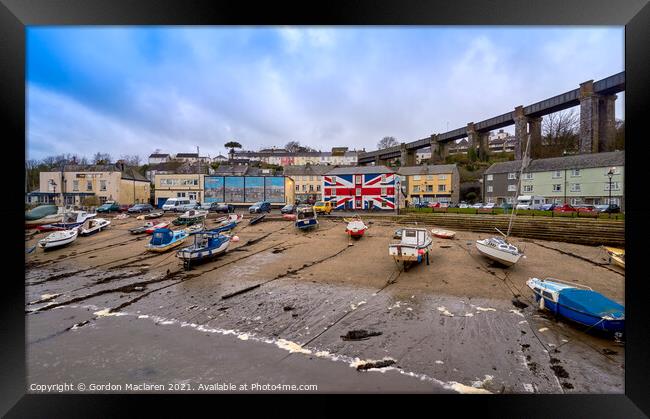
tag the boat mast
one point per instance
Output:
(524, 163)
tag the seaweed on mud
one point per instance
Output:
(359, 335)
(518, 303)
(377, 364)
(559, 371)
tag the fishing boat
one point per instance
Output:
(355, 227)
(306, 217)
(578, 303)
(70, 220)
(414, 245)
(58, 239)
(142, 228)
(149, 216)
(616, 256)
(256, 219)
(92, 226)
(207, 245)
(155, 227)
(191, 217)
(443, 234)
(164, 239)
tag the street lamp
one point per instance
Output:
(610, 174)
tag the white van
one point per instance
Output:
(179, 204)
(528, 202)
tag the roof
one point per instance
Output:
(309, 170)
(235, 170)
(258, 171)
(131, 173)
(158, 155)
(193, 168)
(221, 157)
(504, 167)
(187, 155)
(578, 161)
(353, 170)
(429, 169)
(169, 166)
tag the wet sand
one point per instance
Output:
(102, 308)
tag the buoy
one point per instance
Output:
(235, 239)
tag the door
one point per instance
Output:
(161, 202)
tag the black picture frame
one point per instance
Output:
(16, 15)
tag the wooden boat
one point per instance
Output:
(191, 217)
(290, 217)
(616, 256)
(306, 217)
(443, 234)
(256, 219)
(579, 304)
(92, 226)
(355, 227)
(58, 239)
(499, 250)
(143, 228)
(149, 216)
(414, 246)
(207, 245)
(164, 239)
(70, 220)
(155, 227)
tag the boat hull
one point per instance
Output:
(306, 224)
(504, 258)
(202, 254)
(443, 234)
(50, 243)
(165, 247)
(356, 233)
(585, 319)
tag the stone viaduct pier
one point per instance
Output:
(597, 125)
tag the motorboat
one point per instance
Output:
(616, 256)
(48, 219)
(191, 217)
(70, 220)
(443, 234)
(306, 217)
(499, 250)
(579, 304)
(256, 219)
(355, 227)
(155, 227)
(164, 239)
(142, 228)
(149, 216)
(194, 228)
(223, 227)
(58, 239)
(207, 245)
(290, 217)
(414, 245)
(92, 226)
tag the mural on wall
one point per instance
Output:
(254, 188)
(234, 188)
(274, 189)
(214, 189)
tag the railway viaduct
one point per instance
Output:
(597, 125)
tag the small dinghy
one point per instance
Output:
(578, 303)
(257, 219)
(306, 217)
(223, 227)
(499, 250)
(40, 212)
(290, 217)
(155, 227)
(616, 256)
(70, 220)
(122, 216)
(164, 239)
(191, 217)
(236, 218)
(355, 228)
(92, 226)
(142, 229)
(149, 216)
(59, 239)
(414, 246)
(195, 228)
(207, 245)
(443, 234)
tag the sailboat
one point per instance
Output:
(500, 249)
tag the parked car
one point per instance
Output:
(444, 205)
(434, 204)
(548, 207)
(109, 206)
(421, 205)
(179, 204)
(489, 205)
(139, 208)
(477, 205)
(259, 207)
(463, 205)
(219, 207)
(611, 209)
(288, 209)
(125, 207)
(565, 208)
(586, 208)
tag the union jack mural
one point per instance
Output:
(361, 191)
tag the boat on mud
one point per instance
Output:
(290, 217)
(256, 219)
(207, 245)
(70, 220)
(579, 304)
(414, 245)
(149, 216)
(141, 229)
(616, 256)
(58, 239)
(355, 227)
(164, 239)
(155, 227)
(92, 226)
(194, 228)
(191, 217)
(40, 212)
(443, 234)
(306, 217)
(499, 250)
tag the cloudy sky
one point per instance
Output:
(130, 90)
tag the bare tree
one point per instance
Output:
(101, 158)
(131, 160)
(620, 135)
(560, 133)
(293, 146)
(387, 142)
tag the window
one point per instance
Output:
(442, 177)
(512, 176)
(102, 200)
(575, 201)
(180, 194)
(102, 185)
(416, 177)
(575, 172)
(512, 188)
(490, 189)
(317, 188)
(311, 188)
(358, 192)
(429, 188)
(528, 176)
(442, 188)
(75, 185)
(304, 187)
(557, 201)
(89, 185)
(384, 191)
(489, 178)
(557, 188)
(528, 188)
(383, 178)
(575, 187)
(557, 174)
(311, 178)
(429, 177)
(297, 188)
(357, 179)
(616, 186)
(416, 188)
(510, 200)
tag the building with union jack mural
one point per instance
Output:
(362, 188)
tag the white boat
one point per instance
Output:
(414, 246)
(499, 250)
(149, 216)
(192, 214)
(443, 234)
(70, 220)
(58, 239)
(92, 226)
(355, 227)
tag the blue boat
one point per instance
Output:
(164, 239)
(207, 245)
(579, 304)
(305, 217)
(225, 227)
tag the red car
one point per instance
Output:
(565, 208)
(434, 205)
(585, 208)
